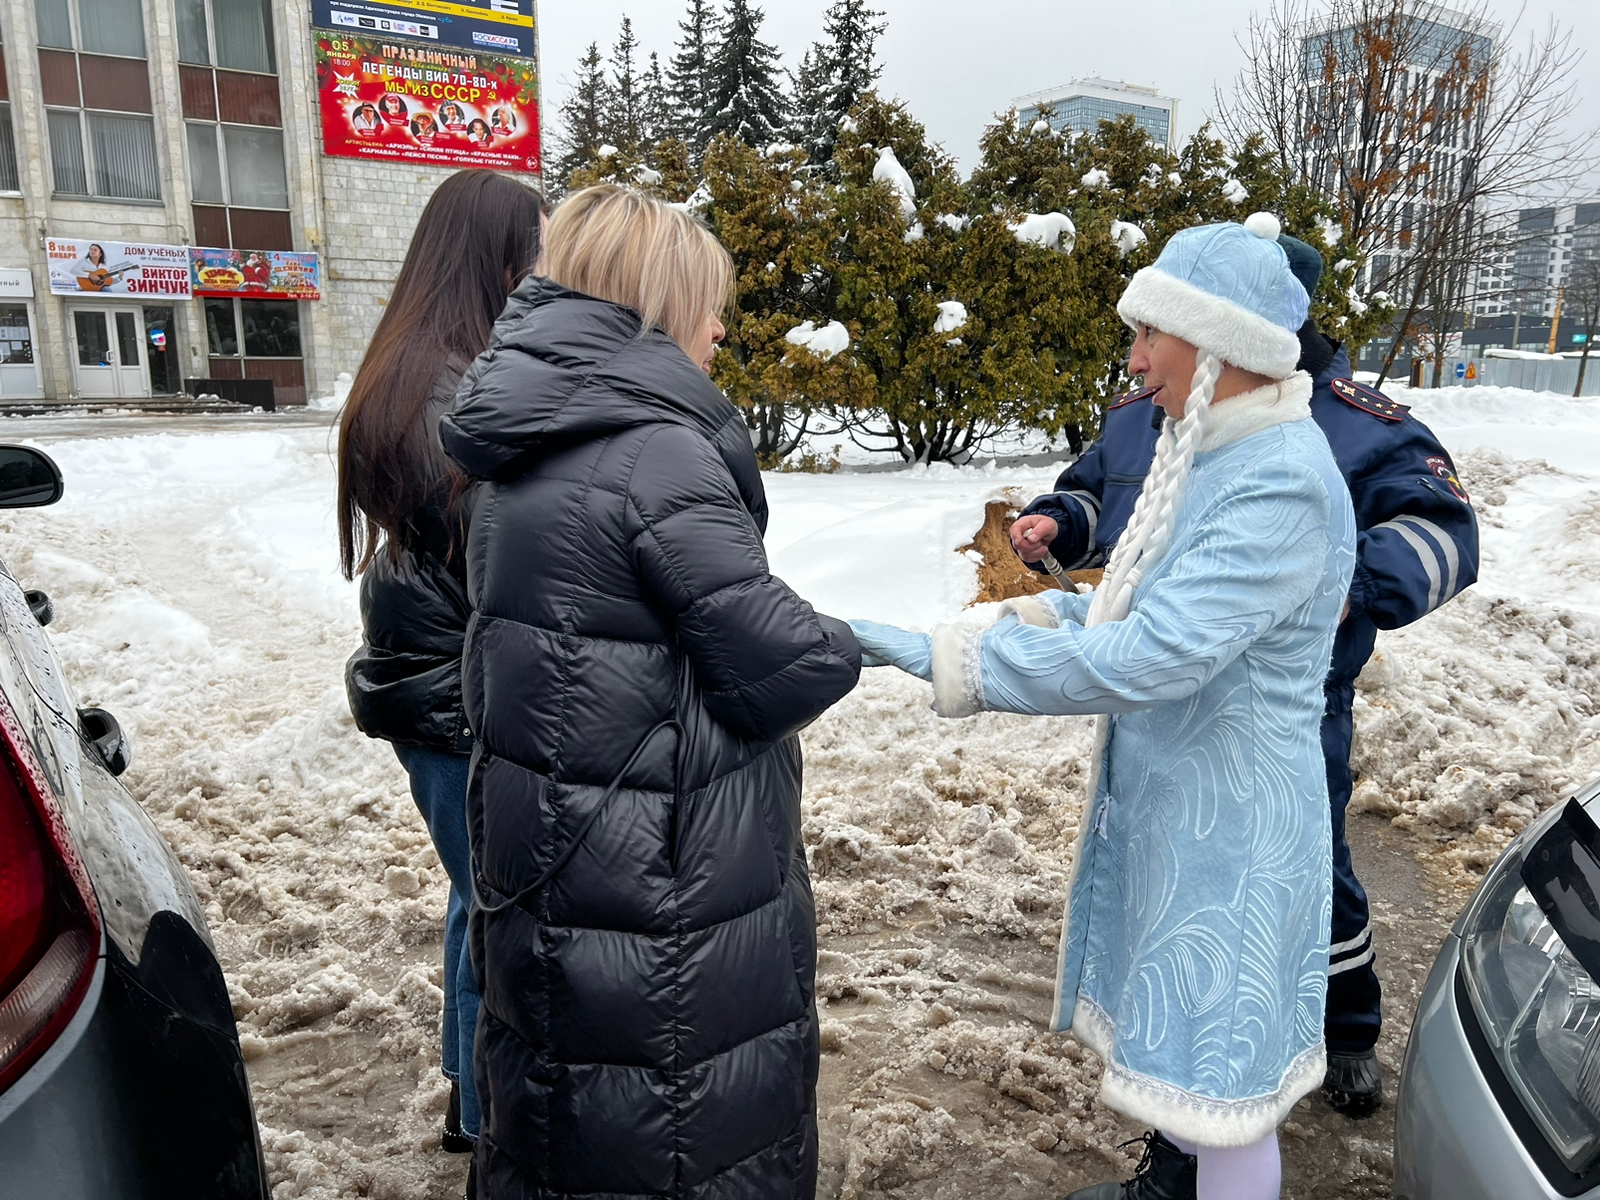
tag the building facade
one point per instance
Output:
(1081, 105)
(1530, 255)
(167, 210)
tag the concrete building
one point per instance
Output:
(137, 134)
(1082, 104)
(1532, 251)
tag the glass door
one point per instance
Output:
(94, 365)
(131, 377)
(161, 351)
(109, 360)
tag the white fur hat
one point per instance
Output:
(1227, 289)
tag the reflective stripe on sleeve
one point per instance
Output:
(1345, 947)
(1425, 555)
(1446, 543)
(1350, 964)
(1091, 509)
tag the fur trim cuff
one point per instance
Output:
(1030, 610)
(1233, 333)
(957, 670)
(1204, 1120)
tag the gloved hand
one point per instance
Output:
(891, 646)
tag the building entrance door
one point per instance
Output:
(109, 358)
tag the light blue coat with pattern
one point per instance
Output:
(1194, 952)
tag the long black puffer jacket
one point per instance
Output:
(404, 683)
(648, 1025)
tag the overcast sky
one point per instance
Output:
(957, 62)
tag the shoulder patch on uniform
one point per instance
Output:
(1131, 397)
(1368, 400)
(1442, 470)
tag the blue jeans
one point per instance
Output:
(439, 786)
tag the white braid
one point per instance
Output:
(1155, 513)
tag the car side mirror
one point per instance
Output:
(29, 478)
(106, 739)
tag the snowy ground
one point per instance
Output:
(192, 567)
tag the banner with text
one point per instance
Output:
(79, 266)
(271, 274)
(492, 26)
(390, 101)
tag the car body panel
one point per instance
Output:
(144, 1094)
(1454, 1139)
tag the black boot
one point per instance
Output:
(1354, 1083)
(454, 1141)
(1164, 1173)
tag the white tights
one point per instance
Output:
(1251, 1172)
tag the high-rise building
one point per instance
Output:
(223, 190)
(1533, 251)
(1335, 120)
(1081, 105)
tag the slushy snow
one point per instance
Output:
(192, 567)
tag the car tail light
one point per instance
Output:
(49, 920)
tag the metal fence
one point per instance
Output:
(1536, 374)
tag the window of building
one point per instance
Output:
(96, 88)
(257, 339)
(9, 181)
(233, 124)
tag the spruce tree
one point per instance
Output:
(689, 74)
(584, 119)
(655, 117)
(625, 116)
(845, 68)
(745, 101)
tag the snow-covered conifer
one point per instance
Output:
(585, 119)
(625, 119)
(689, 74)
(843, 68)
(744, 98)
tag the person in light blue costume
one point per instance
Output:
(1194, 948)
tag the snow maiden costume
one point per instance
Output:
(1194, 948)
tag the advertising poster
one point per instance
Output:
(403, 102)
(79, 266)
(273, 274)
(493, 26)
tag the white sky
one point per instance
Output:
(957, 62)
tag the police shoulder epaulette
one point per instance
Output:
(1131, 397)
(1368, 400)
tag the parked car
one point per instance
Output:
(1500, 1093)
(120, 1071)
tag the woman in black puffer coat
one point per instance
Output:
(402, 526)
(644, 926)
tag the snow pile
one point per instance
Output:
(952, 316)
(334, 400)
(608, 151)
(951, 221)
(647, 176)
(1126, 237)
(1331, 232)
(1039, 127)
(833, 338)
(1053, 231)
(1094, 177)
(1234, 192)
(888, 170)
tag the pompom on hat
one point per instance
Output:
(1228, 289)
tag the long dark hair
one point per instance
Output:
(478, 237)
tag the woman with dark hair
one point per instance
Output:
(402, 510)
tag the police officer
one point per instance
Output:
(1417, 548)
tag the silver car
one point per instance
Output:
(1500, 1093)
(120, 1071)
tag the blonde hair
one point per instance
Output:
(621, 245)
